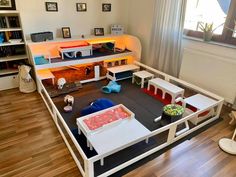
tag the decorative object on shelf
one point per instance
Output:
(60, 83)
(27, 84)
(1, 38)
(7, 5)
(42, 36)
(66, 32)
(117, 29)
(51, 6)
(99, 31)
(226, 144)
(81, 7)
(69, 100)
(112, 86)
(106, 7)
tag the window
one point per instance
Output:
(220, 13)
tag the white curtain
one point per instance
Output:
(166, 37)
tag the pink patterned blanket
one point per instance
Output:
(106, 117)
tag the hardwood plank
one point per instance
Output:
(30, 144)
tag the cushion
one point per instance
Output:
(97, 105)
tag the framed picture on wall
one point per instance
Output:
(81, 7)
(66, 32)
(7, 5)
(99, 31)
(51, 6)
(106, 7)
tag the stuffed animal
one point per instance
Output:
(61, 82)
(26, 83)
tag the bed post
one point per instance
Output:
(89, 168)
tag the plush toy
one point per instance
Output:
(61, 82)
(111, 87)
(69, 100)
(26, 83)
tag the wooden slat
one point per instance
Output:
(30, 144)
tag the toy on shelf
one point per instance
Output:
(61, 82)
(69, 100)
(112, 86)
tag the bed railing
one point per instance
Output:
(86, 165)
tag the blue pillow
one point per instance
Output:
(40, 60)
(97, 105)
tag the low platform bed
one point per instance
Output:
(146, 109)
(116, 147)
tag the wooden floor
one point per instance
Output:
(30, 145)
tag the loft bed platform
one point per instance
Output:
(146, 107)
(96, 54)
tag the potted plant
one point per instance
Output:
(207, 29)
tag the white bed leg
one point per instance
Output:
(88, 143)
(90, 147)
(102, 162)
(147, 140)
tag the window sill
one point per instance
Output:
(210, 42)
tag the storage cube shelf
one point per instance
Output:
(12, 48)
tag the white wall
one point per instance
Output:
(140, 19)
(135, 15)
(36, 19)
(211, 67)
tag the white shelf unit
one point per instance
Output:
(12, 53)
(11, 44)
(10, 29)
(8, 71)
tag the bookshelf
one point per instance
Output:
(12, 48)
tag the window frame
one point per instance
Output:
(227, 35)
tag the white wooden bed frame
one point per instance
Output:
(86, 165)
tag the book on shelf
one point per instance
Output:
(3, 22)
